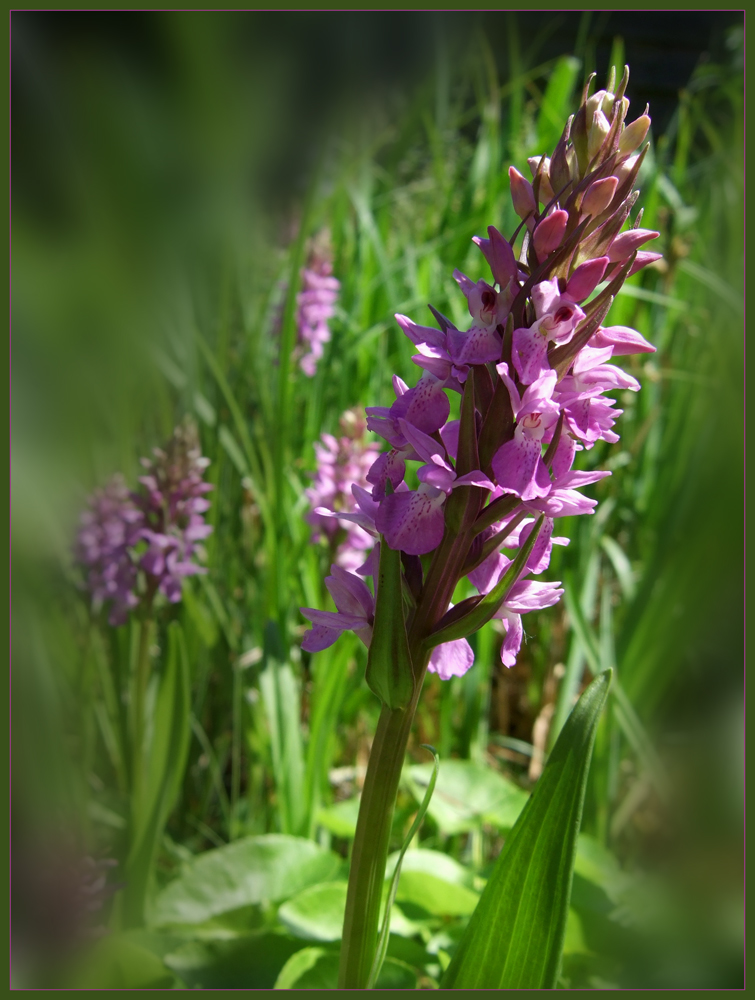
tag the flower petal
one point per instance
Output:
(412, 521)
(451, 659)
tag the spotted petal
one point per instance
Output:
(412, 521)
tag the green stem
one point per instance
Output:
(370, 851)
(140, 691)
(137, 871)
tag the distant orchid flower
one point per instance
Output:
(173, 503)
(316, 303)
(134, 543)
(109, 529)
(342, 463)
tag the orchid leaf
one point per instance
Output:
(515, 937)
(389, 664)
(166, 760)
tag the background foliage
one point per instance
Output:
(167, 170)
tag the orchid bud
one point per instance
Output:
(522, 195)
(599, 195)
(625, 168)
(643, 258)
(597, 133)
(634, 135)
(545, 193)
(626, 243)
(601, 100)
(549, 233)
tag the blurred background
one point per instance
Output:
(169, 170)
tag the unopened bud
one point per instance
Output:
(573, 163)
(522, 195)
(626, 243)
(601, 100)
(549, 233)
(625, 168)
(597, 133)
(634, 135)
(599, 195)
(545, 193)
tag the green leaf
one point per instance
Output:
(317, 913)
(468, 794)
(250, 962)
(340, 818)
(251, 870)
(442, 866)
(435, 895)
(309, 968)
(484, 610)
(317, 968)
(118, 962)
(166, 760)
(389, 663)
(281, 698)
(516, 935)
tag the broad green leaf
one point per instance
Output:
(309, 968)
(389, 663)
(467, 794)
(251, 962)
(340, 818)
(251, 870)
(436, 895)
(120, 963)
(516, 935)
(317, 968)
(443, 866)
(317, 913)
(231, 924)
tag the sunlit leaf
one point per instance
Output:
(516, 934)
(467, 794)
(251, 870)
(317, 913)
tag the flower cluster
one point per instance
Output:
(342, 462)
(134, 544)
(316, 303)
(533, 370)
(109, 530)
(173, 503)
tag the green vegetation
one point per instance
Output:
(146, 304)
